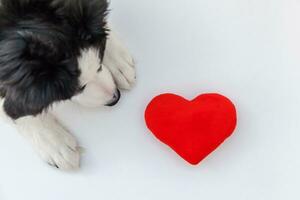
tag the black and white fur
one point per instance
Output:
(53, 51)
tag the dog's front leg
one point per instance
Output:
(119, 61)
(52, 141)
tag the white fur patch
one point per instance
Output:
(89, 62)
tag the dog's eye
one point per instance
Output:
(82, 88)
(100, 68)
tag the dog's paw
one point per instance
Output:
(119, 61)
(58, 148)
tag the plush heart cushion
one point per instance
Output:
(194, 128)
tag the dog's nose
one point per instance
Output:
(115, 98)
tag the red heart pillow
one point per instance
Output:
(194, 128)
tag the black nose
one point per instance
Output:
(115, 99)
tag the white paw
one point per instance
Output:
(53, 143)
(119, 61)
(59, 149)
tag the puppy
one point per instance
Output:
(53, 51)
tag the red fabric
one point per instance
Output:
(194, 128)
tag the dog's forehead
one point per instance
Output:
(89, 62)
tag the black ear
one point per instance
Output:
(35, 72)
(87, 17)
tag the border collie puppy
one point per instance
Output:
(53, 51)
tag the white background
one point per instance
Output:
(247, 50)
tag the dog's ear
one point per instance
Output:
(87, 17)
(35, 72)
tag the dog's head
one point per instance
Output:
(41, 42)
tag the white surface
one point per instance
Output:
(247, 50)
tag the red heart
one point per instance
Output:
(194, 128)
